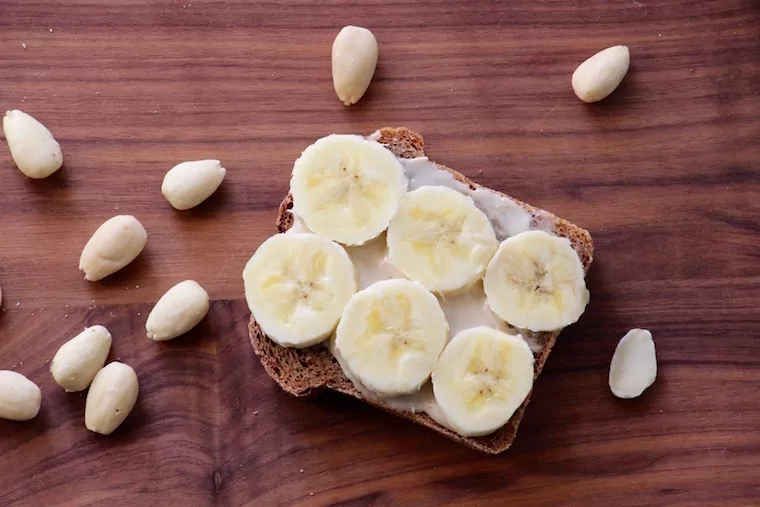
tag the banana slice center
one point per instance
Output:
(347, 187)
(300, 283)
(443, 232)
(392, 327)
(543, 284)
(487, 378)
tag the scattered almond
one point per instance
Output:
(598, 76)
(188, 184)
(20, 398)
(116, 243)
(634, 364)
(34, 149)
(178, 311)
(78, 360)
(111, 398)
(354, 58)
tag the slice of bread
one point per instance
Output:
(305, 372)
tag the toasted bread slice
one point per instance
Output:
(305, 372)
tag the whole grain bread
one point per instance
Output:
(306, 372)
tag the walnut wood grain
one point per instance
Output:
(665, 174)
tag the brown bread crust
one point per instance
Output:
(305, 372)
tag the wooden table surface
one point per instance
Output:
(665, 175)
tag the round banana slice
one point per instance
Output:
(536, 281)
(347, 188)
(390, 336)
(439, 238)
(482, 377)
(297, 285)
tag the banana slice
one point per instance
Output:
(347, 188)
(439, 238)
(297, 285)
(536, 281)
(482, 377)
(390, 336)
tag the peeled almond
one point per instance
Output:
(598, 76)
(116, 243)
(34, 149)
(178, 311)
(111, 398)
(20, 398)
(188, 184)
(78, 360)
(354, 58)
(634, 364)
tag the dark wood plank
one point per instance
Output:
(664, 174)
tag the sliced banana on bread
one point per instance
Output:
(481, 379)
(390, 336)
(439, 238)
(347, 188)
(419, 236)
(297, 285)
(536, 281)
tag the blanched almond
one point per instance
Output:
(33, 148)
(598, 76)
(178, 311)
(111, 398)
(116, 243)
(78, 360)
(634, 364)
(354, 58)
(20, 398)
(188, 184)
